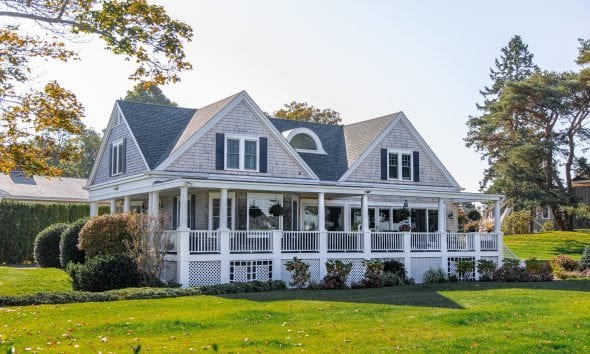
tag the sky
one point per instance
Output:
(363, 59)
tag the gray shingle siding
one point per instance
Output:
(134, 161)
(240, 121)
(399, 138)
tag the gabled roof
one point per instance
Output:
(156, 128)
(42, 189)
(359, 136)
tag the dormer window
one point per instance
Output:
(304, 140)
(241, 153)
(400, 165)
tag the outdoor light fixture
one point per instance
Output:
(451, 215)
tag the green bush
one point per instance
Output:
(248, 287)
(563, 262)
(46, 248)
(373, 274)
(465, 269)
(517, 223)
(485, 269)
(104, 273)
(435, 275)
(20, 224)
(299, 272)
(396, 268)
(538, 270)
(105, 235)
(548, 226)
(68, 244)
(585, 260)
(337, 273)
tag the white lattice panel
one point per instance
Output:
(421, 264)
(314, 270)
(169, 272)
(243, 271)
(452, 266)
(204, 273)
(357, 273)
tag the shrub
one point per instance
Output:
(68, 244)
(299, 270)
(105, 235)
(337, 273)
(485, 269)
(474, 215)
(465, 269)
(104, 273)
(435, 275)
(518, 222)
(548, 225)
(396, 268)
(248, 287)
(535, 270)
(373, 274)
(46, 248)
(538, 270)
(564, 262)
(585, 260)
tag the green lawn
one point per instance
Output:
(30, 280)
(548, 244)
(456, 317)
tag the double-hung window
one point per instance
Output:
(399, 165)
(241, 153)
(117, 158)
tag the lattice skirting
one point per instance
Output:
(419, 265)
(452, 267)
(314, 270)
(169, 272)
(357, 272)
(204, 273)
(243, 271)
(491, 258)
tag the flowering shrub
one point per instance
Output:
(538, 270)
(299, 270)
(548, 225)
(564, 262)
(373, 274)
(337, 273)
(535, 270)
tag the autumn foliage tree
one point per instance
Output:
(302, 111)
(32, 120)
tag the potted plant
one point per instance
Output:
(254, 211)
(276, 209)
(403, 214)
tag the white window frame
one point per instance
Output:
(263, 195)
(399, 154)
(230, 196)
(115, 157)
(242, 152)
(290, 134)
(545, 210)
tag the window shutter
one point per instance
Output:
(110, 160)
(191, 216)
(416, 166)
(174, 213)
(219, 150)
(263, 155)
(124, 156)
(383, 164)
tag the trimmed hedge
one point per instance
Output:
(68, 244)
(46, 248)
(104, 273)
(21, 222)
(105, 235)
(139, 293)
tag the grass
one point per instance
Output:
(30, 280)
(457, 317)
(548, 244)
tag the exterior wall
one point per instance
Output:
(240, 121)
(134, 161)
(399, 138)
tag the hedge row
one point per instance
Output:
(21, 222)
(139, 293)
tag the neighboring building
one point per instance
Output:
(581, 184)
(38, 189)
(245, 193)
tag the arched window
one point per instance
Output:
(304, 142)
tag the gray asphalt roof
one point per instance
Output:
(41, 188)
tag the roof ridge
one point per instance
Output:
(390, 115)
(155, 104)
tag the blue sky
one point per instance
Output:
(361, 58)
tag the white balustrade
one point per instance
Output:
(203, 241)
(489, 241)
(345, 241)
(250, 242)
(387, 241)
(460, 242)
(300, 241)
(425, 241)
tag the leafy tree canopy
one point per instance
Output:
(151, 94)
(302, 111)
(32, 121)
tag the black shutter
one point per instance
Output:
(219, 150)
(124, 156)
(174, 213)
(416, 166)
(384, 164)
(110, 160)
(191, 216)
(263, 155)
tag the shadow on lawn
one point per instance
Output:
(423, 295)
(570, 247)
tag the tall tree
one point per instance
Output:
(302, 111)
(32, 120)
(87, 143)
(150, 94)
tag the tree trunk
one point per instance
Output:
(558, 219)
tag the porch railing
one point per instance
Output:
(425, 242)
(460, 242)
(300, 241)
(345, 241)
(489, 241)
(250, 242)
(171, 242)
(387, 242)
(204, 242)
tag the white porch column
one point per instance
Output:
(224, 238)
(442, 215)
(323, 234)
(365, 225)
(127, 204)
(223, 209)
(113, 209)
(321, 212)
(93, 209)
(497, 217)
(154, 203)
(183, 235)
(183, 217)
(442, 228)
